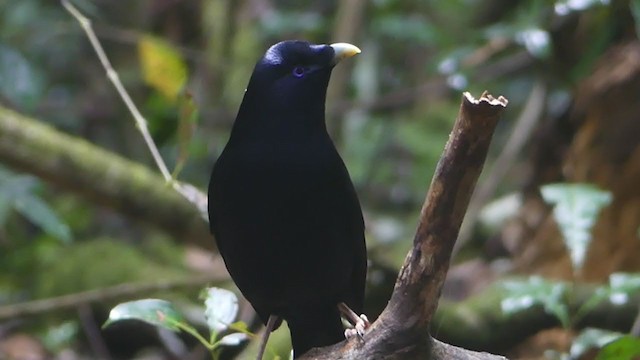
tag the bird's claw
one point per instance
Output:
(349, 333)
(359, 327)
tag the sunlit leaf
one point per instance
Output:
(496, 213)
(591, 338)
(152, 311)
(521, 295)
(621, 286)
(221, 308)
(624, 347)
(233, 339)
(162, 66)
(576, 208)
(536, 41)
(566, 7)
(240, 326)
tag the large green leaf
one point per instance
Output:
(152, 311)
(625, 347)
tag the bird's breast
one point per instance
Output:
(282, 212)
(277, 183)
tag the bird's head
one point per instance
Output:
(291, 80)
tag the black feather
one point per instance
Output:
(282, 207)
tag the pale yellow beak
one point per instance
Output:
(343, 51)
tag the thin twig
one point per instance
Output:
(141, 122)
(190, 193)
(92, 332)
(105, 294)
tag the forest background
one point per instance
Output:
(83, 209)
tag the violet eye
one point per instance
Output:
(298, 71)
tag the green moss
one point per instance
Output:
(99, 263)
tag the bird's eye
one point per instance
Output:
(298, 71)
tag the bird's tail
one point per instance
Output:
(315, 328)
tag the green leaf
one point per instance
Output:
(221, 309)
(187, 124)
(5, 207)
(39, 213)
(621, 286)
(233, 339)
(162, 66)
(624, 348)
(592, 338)
(599, 295)
(521, 295)
(240, 326)
(20, 81)
(60, 336)
(634, 5)
(17, 193)
(152, 311)
(576, 208)
(566, 7)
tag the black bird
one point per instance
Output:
(282, 207)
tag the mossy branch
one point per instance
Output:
(100, 176)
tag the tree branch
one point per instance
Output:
(126, 290)
(100, 176)
(402, 330)
(521, 133)
(480, 323)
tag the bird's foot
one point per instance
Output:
(361, 324)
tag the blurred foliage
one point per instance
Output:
(575, 210)
(162, 67)
(17, 192)
(187, 63)
(156, 312)
(105, 262)
(624, 347)
(521, 295)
